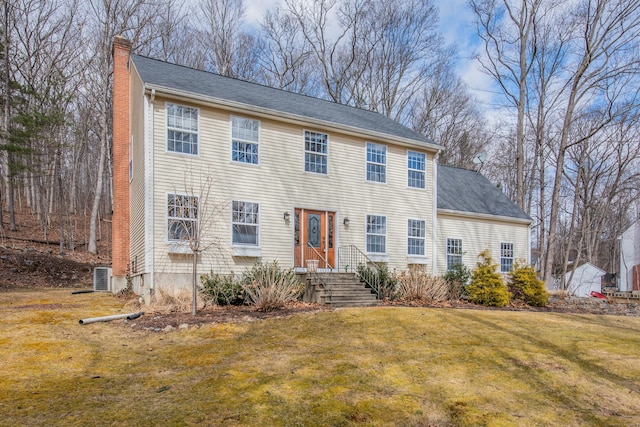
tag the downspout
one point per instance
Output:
(149, 188)
(434, 231)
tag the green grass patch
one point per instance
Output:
(368, 367)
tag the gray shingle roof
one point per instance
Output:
(467, 191)
(161, 74)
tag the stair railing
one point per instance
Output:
(313, 272)
(352, 260)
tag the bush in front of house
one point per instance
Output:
(221, 289)
(418, 285)
(525, 286)
(379, 276)
(487, 286)
(457, 279)
(270, 287)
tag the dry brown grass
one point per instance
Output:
(375, 367)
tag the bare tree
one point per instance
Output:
(605, 58)
(507, 29)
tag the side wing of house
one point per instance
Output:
(473, 216)
(630, 259)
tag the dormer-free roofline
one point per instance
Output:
(212, 89)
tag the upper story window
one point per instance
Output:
(454, 253)
(416, 237)
(182, 129)
(245, 137)
(376, 234)
(315, 152)
(182, 217)
(506, 257)
(416, 167)
(376, 162)
(245, 223)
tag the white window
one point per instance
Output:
(506, 257)
(182, 217)
(245, 137)
(416, 166)
(182, 129)
(416, 237)
(376, 162)
(245, 223)
(454, 252)
(315, 152)
(376, 234)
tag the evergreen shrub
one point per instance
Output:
(487, 286)
(525, 286)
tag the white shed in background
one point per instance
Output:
(586, 278)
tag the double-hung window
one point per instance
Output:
(315, 152)
(376, 162)
(454, 253)
(506, 257)
(416, 167)
(182, 217)
(416, 237)
(182, 129)
(245, 222)
(245, 137)
(376, 234)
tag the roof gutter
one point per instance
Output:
(288, 117)
(478, 215)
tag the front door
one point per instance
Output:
(314, 238)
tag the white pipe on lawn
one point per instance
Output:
(129, 316)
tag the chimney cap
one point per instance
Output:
(122, 42)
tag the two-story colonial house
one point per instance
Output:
(252, 173)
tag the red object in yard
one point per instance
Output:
(597, 295)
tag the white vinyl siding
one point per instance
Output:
(182, 129)
(416, 169)
(245, 222)
(479, 234)
(506, 257)
(416, 237)
(376, 162)
(245, 139)
(280, 185)
(376, 234)
(315, 152)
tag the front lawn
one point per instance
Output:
(371, 366)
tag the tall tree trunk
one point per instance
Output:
(92, 246)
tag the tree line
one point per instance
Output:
(567, 73)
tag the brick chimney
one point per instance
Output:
(121, 218)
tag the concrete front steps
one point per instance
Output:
(338, 290)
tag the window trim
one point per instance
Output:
(424, 238)
(305, 151)
(245, 141)
(367, 234)
(367, 162)
(257, 225)
(512, 258)
(423, 171)
(167, 128)
(460, 254)
(170, 218)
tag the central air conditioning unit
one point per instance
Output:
(101, 279)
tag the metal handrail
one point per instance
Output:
(350, 258)
(322, 258)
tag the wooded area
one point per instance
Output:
(563, 135)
